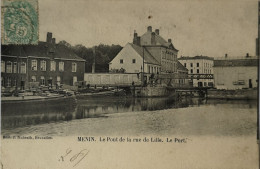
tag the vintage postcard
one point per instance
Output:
(119, 84)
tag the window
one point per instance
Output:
(191, 71)
(121, 61)
(133, 61)
(75, 79)
(198, 64)
(191, 64)
(33, 78)
(14, 82)
(198, 71)
(74, 67)
(8, 84)
(23, 67)
(42, 80)
(58, 80)
(185, 65)
(2, 66)
(149, 69)
(34, 64)
(15, 67)
(8, 67)
(2, 81)
(43, 65)
(61, 66)
(53, 66)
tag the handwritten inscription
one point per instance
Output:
(72, 157)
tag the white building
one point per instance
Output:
(130, 58)
(236, 73)
(199, 65)
(159, 55)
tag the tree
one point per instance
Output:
(104, 54)
(63, 42)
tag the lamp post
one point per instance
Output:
(143, 69)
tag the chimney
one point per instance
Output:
(138, 41)
(247, 55)
(157, 31)
(226, 55)
(49, 37)
(149, 29)
(170, 40)
(53, 41)
(153, 38)
(135, 39)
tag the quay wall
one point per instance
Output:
(246, 94)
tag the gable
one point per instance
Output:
(134, 52)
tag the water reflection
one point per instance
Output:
(33, 114)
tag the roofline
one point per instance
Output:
(159, 46)
(235, 66)
(38, 57)
(81, 60)
(141, 55)
(152, 63)
(244, 59)
(199, 58)
(22, 57)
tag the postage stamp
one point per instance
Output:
(20, 23)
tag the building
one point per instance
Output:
(149, 53)
(238, 73)
(199, 66)
(46, 64)
(183, 74)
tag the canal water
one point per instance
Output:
(135, 116)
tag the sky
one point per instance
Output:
(196, 27)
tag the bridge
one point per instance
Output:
(184, 76)
(130, 79)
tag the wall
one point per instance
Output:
(14, 76)
(169, 60)
(112, 79)
(127, 54)
(225, 77)
(166, 57)
(205, 67)
(66, 75)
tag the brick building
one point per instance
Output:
(46, 64)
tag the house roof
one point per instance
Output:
(40, 50)
(147, 55)
(158, 40)
(181, 67)
(236, 62)
(195, 57)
